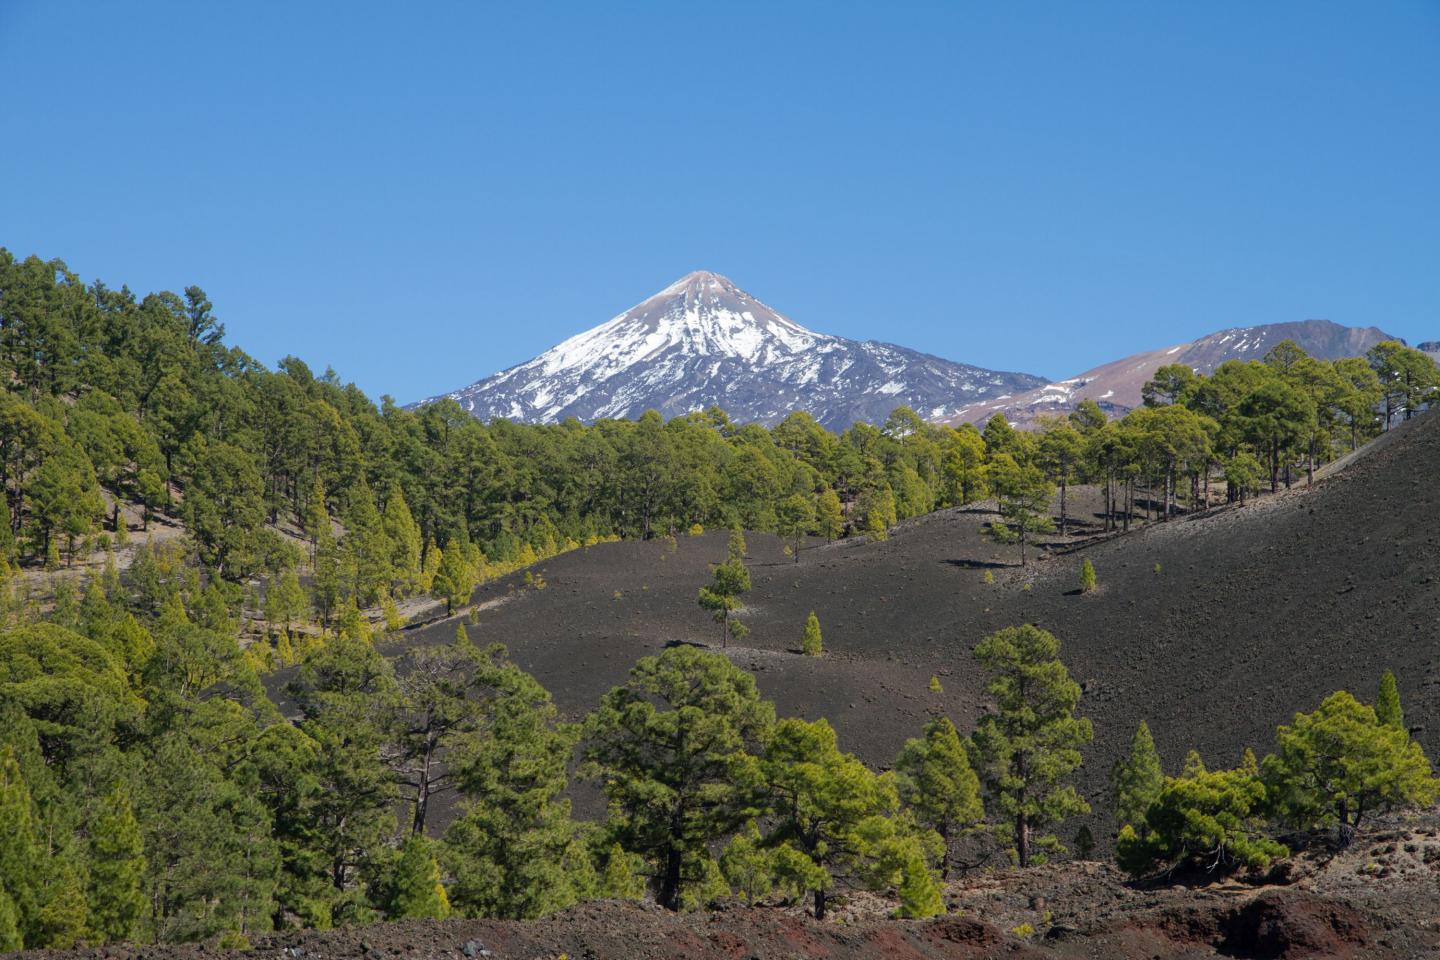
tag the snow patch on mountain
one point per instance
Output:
(702, 341)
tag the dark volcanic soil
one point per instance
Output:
(1254, 613)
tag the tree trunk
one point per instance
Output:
(819, 904)
(1022, 839)
(669, 894)
(1062, 503)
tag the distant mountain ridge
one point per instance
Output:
(1116, 385)
(702, 341)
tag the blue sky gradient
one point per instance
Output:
(420, 195)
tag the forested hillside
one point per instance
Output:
(151, 789)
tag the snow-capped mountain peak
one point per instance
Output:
(703, 341)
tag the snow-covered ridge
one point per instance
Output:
(703, 341)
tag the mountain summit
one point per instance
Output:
(703, 341)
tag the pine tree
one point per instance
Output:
(21, 851)
(454, 580)
(795, 516)
(832, 810)
(829, 515)
(10, 939)
(316, 521)
(748, 866)
(404, 535)
(1087, 576)
(919, 893)
(812, 644)
(621, 879)
(935, 685)
(722, 597)
(735, 547)
(514, 852)
(670, 749)
(285, 601)
(430, 567)
(1340, 763)
(418, 893)
(1387, 703)
(937, 783)
(1032, 744)
(1136, 781)
(117, 871)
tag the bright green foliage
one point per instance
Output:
(1087, 576)
(748, 865)
(1340, 763)
(795, 516)
(875, 528)
(403, 535)
(117, 871)
(1387, 702)
(1243, 474)
(671, 750)
(935, 685)
(285, 601)
(454, 580)
(1027, 750)
(366, 550)
(224, 506)
(735, 547)
(1136, 781)
(10, 938)
(812, 644)
(1022, 496)
(514, 850)
(22, 852)
(342, 691)
(622, 878)
(827, 806)
(919, 893)
(829, 515)
(1212, 820)
(938, 785)
(418, 893)
(722, 597)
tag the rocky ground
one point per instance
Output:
(1378, 899)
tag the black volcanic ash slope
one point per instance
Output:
(1256, 613)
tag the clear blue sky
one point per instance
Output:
(423, 194)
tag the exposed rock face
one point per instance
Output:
(703, 341)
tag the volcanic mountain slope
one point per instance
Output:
(1115, 386)
(703, 341)
(1214, 629)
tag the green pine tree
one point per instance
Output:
(10, 939)
(622, 878)
(939, 786)
(1387, 703)
(117, 871)
(1136, 781)
(1032, 744)
(671, 751)
(1087, 576)
(418, 893)
(811, 643)
(454, 580)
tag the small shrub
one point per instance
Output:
(696, 530)
(811, 643)
(616, 595)
(935, 685)
(989, 576)
(1157, 569)
(1087, 576)
(1024, 931)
